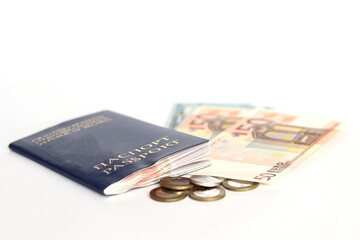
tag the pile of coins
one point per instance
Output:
(200, 188)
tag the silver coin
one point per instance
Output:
(206, 181)
(207, 194)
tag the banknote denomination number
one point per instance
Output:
(253, 125)
(278, 168)
(265, 175)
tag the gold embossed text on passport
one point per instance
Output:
(134, 155)
(75, 127)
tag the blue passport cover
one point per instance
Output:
(102, 148)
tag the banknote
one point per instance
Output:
(181, 111)
(208, 121)
(266, 145)
(179, 164)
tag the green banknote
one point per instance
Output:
(182, 111)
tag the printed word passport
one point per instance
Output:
(112, 153)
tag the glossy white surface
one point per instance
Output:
(61, 60)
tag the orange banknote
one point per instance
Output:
(208, 121)
(266, 145)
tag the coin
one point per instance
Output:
(206, 181)
(175, 183)
(239, 185)
(207, 194)
(164, 195)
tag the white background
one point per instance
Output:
(64, 59)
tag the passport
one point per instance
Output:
(112, 153)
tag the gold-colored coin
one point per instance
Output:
(175, 183)
(207, 194)
(239, 185)
(164, 195)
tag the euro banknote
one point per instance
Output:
(208, 121)
(181, 111)
(265, 145)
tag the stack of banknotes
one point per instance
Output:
(252, 143)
